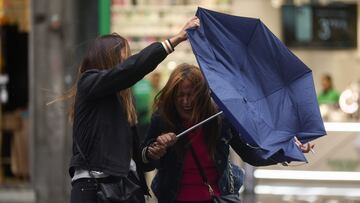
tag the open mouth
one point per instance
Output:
(187, 109)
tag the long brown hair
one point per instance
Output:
(203, 106)
(105, 53)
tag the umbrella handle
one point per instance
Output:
(197, 125)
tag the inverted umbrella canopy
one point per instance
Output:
(265, 91)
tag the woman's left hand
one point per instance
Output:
(305, 148)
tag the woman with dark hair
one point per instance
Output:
(196, 167)
(105, 142)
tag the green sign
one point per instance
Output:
(104, 16)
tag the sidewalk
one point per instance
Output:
(17, 195)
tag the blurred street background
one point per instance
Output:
(42, 42)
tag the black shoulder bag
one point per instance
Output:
(230, 198)
(121, 191)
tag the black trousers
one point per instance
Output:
(84, 189)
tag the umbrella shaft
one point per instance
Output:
(197, 125)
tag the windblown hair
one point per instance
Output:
(105, 53)
(203, 106)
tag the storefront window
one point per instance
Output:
(14, 92)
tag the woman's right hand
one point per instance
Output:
(158, 148)
(192, 23)
(181, 36)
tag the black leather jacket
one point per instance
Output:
(100, 126)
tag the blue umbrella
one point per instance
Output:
(265, 91)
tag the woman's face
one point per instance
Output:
(184, 99)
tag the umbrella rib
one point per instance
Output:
(253, 31)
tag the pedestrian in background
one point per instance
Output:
(328, 94)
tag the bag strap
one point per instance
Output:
(81, 153)
(201, 170)
(86, 161)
